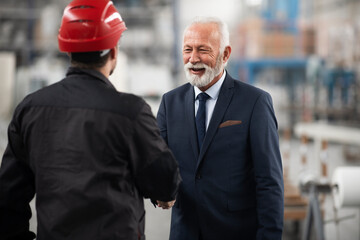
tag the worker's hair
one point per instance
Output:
(89, 60)
(222, 27)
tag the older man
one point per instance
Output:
(223, 134)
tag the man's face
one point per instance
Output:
(202, 59)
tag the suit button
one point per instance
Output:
(198, 176)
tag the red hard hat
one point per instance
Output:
(89, 26)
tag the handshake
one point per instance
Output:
(165, 205)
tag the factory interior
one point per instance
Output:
(305, 53)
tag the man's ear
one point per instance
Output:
(227, 53)
(113, 52)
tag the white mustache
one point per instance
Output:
(189, 65)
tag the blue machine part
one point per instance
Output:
(281, 13)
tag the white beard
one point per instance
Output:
(207, 77)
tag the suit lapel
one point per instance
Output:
(190, 117)
(225, 96)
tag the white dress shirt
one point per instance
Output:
(213, 92)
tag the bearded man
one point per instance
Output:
(223, 134)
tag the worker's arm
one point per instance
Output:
(156, 171)
(16, 189)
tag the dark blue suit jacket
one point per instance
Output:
(233, 186)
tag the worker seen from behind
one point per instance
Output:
(89, 153)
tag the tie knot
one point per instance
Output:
(203, 96)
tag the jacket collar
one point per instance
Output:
(91, 72)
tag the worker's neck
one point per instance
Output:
(105, 71)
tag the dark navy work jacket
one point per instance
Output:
(90, 154)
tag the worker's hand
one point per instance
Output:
(165, 205)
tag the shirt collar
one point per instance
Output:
(214, 90)
(91, 72)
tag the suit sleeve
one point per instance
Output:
(268, 169)
(156, 171)
(17, 188)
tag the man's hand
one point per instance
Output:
(165, 205)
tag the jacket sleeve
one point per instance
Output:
(17, 188)
(268, 169)
(156, 171)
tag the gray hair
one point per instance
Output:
(223, 29)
